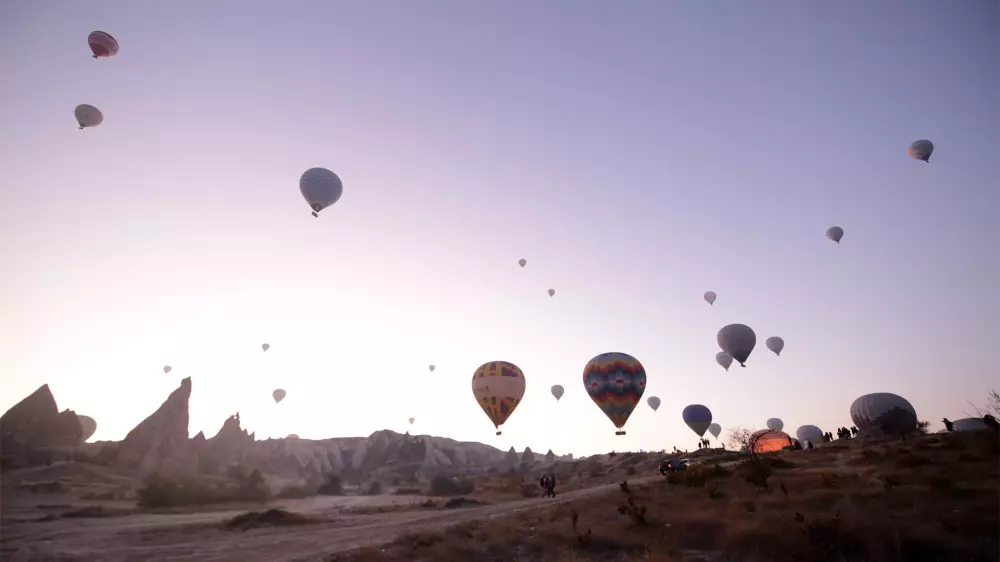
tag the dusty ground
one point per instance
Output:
(931, 499)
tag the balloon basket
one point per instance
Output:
(315, 214)
(498, 433)
(619, 433)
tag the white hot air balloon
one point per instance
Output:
(809, 433)
(88, 116)
(167, 368)
(265, 346)
(921, 150)
(969, 424)
(552, 293)
(558, 391)
(710, 297)
(715, 429)
(724, 359)
(320, 188)
(738, 340)
(883, 413)
(88, 425)
(835, 233)
(775, 344)
(522, 262)
(775, 424)
(431, 368)
(654, 402)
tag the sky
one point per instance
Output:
(636, 154)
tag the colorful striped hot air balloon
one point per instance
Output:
(615, 382)
(498, 387)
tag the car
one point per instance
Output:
(673, 465)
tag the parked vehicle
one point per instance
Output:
(673, 465)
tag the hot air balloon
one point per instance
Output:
(522, 262)
(710, 297)
(320, 188)
(654, 402)
(698, 418)
(769, 440)
(724, 359)
(775, 423)
(835, 233)
(292, 436)
(715, 429)
(883, 413)
(265, 346)
(809, 433)
(775, 344)
(167, 369)
(498, 387)
(738, 340)
(88, 426)
(412, 420)
(615, 382)
(102, 44)
(88, 116)
(557, 391)
(921, 150)
(969, 424)
(278, 395)
(552, 292)
(431, 368)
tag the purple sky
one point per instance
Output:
(635, 153)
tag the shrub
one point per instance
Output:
(333, 486)
(447, 486)
(160, 491)
(375, 488)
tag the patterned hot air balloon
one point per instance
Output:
(102, 44)
(498, 387)
(615, 382)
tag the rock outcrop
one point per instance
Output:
(160, 442)
(37, 423)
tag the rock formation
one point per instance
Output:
(36, 423)
(160, 442)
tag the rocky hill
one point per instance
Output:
(161, 443)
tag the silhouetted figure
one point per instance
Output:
(699, 445)
(809, 444)
(840, 433)
(991, 422)
(543, 483)
(854, 431)
(797, 445)
(552, 486)
(948, 425)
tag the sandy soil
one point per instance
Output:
(203, 537)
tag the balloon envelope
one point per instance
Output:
(969, 424)
(278, 395)
(775, 344)
(615, 382)
(654, 402)
(738, 340)
(292, 436)
(710, 297)
(522, 262)
(769, 440)
(320, 188)
(498, 387)
(715, 429)
(724, 359)
(552, 292)
(835, 233)
(883, 413)
(88, 425)
(698, 418)
(431, 368)
(809, 433)
(167, 369)
(102, 44)
(412, 420)
(775, 423)
(88, 116)
(265, 346)
(557, 391)
(921, 150)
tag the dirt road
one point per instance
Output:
(200, 537)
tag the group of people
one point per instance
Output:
(845, 433)
(548, 484)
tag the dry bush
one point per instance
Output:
(375, 488)
(331, 486)
(160, 491)
(448, 486)
(269, 518)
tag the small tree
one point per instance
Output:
(757, 465)
(992, 406)
(923, 426)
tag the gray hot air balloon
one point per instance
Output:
(883, 413)
(724, 359)
(278, 395)
(167, 368)
(968, 424)
(921, 150)
(265, 346)
(809, 433)
(412, 420)
(835, 233)
(552, 292)
(698, 418)
(775, 344)
(775, 424)
(320, 188)
(522, 262)
(654, 402)
(738, 340)
(431, 368)
(88, 116)
(710, 297)
(557, 391)
(88, 425)
(715, 429)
